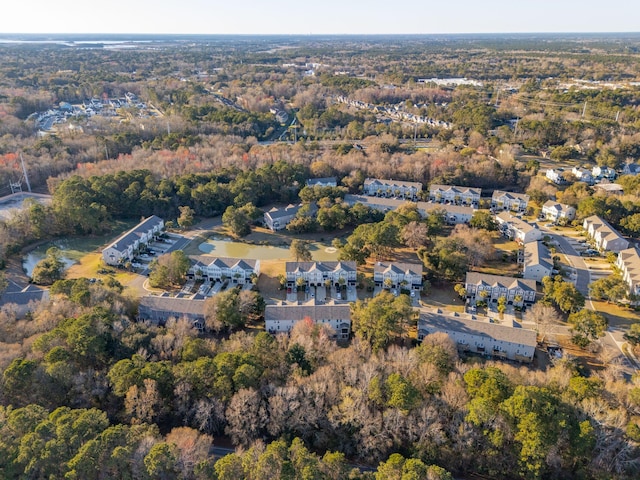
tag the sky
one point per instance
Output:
(318, 16)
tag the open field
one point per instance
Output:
(443, 296)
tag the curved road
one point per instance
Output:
(613, 340)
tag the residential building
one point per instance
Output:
(604, 235)
(454, 194)
(629, 265)
(537, 261)
(454, 214)
(282, 317)
(23, 300)
(631, 169)
(476, 335)
(509, 201)
(517, 229)
(557, 176)
(125, 246)
(555, 211)
(322, 182)
(517, 291)
(391, 188)
(610, 188)
(159, 309)
(582, 175)
(599, 172)
(236, 270)
(395, 275)
(317, 273)
(278, 218)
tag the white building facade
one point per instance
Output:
(124, 248)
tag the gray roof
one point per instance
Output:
(515, 222)
(314, 181)
(559, 207)
(127, 239)
(397, 267)
(475, 278)
(311, 309)
(455, 189)
(465, 323)
(510, 195)
(289, 210)
(223, 262)
(31, 293)
(602, 226)
(173, 305)
(392, 183)
(322, 266)
(392, 204)
(536, 253)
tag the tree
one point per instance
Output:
(49, 269)
(415, 234)
(185, 220)
(380, 319)
(544, 316)
(161, 461)
(224, 310)
(482, 219)
(239, 220)
(169, 269)
(300, 250)
(563, 294)
(587, 327)
(611, 288)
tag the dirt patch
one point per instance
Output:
(443, 296)
(268, 282)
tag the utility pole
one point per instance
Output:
(617, 115)
(24, 172)
(584, 109)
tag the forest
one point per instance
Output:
(88, 392)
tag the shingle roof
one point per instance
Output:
(311, 309)
(397, 267)
(455, 189)
(630, 258)
(515, 222)
(127, 239)
(223, 262)
(465, 323)
(178, 306)
(392, 204)
(535, 253)
(322, 266)
(392, 183)
(475, 278)
(512, 196)
(29, 294)
(559, 207)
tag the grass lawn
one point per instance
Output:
(268, 283)
(620, 317)
(443, 296)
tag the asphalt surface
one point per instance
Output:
(613, 340)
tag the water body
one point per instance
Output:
(225, 247)
(72, 250)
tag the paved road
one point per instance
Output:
(614, 339)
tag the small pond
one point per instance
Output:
(225, 247)
(72, 250)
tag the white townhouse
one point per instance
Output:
(537, 261)
(281, 318)
(454, 194)
(582, 174)
(322, 182)
(315, 274)
(517, 229)
(628, 263)
(604, 235)
(398, 275)
(479, 335)
(124, 248)
(237, 270)
(556, 175)
(391, 188)
(454, 214)
(599, 172)
(159, 309)
(278, 218)
(555, 211)
(501, 200)
(517, 291)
